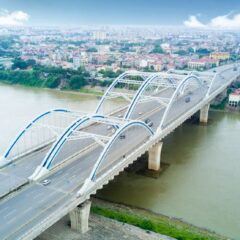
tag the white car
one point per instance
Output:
(46, 182)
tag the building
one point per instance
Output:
(220, 55)
(197, 64)
(143, 63)
(203, 63)
(234, 98)
(99, 35)
(76, 62)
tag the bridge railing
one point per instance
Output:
(39, 133)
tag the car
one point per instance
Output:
(113, 130)
(148, 122)
(46, 182)
(120, 115)
(140, 113)
(122, 136)
(214, 71)
(235, 68)
(187, 99)
(109, 127)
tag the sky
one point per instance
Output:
(188, 13)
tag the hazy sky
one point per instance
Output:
(134, 12)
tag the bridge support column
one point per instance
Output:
(204, 113)
(154, 157)
(79, 217)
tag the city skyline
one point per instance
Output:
(75, 13)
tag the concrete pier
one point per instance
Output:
(154, 157)
(79, 217)
(204, 114)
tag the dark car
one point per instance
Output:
(122, 136)
(148, 122)
(187, 99)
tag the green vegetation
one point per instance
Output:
(108, 73)
(160, 224)
(92, 49)
(77, 81)
(235, 57)
(220, 106)
(203, 52)
(181, 52)
(28, 73)
(148, 69)
(157, 49)
(91, 91)
(18, 63)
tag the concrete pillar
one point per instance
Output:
(204, 113)
(79, 217)
(154, 157)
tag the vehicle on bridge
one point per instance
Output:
(148, 122)
(187, 99)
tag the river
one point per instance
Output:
(201, 185)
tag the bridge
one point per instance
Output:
(62, 157)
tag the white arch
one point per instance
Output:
(179, 88)
(138, 94)
(58, 145)
(28, 127)
(91, 179)
(114, 83)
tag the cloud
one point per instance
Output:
(228, 21)
(193, 22)
(16, 18)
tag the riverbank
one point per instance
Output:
(100, 228)
(89, 91)
(147, 220)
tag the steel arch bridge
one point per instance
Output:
(64, 134)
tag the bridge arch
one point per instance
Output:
(92, 177)
(58, 145)
(142, 88)
(180, 90)
(120, 78)
(10, 154)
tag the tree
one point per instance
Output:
(21, 64)
(158, 49)
(203, 51)
(92, 49)
(52, 82)
(77, 81)
(2, 67)
(181, 53)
